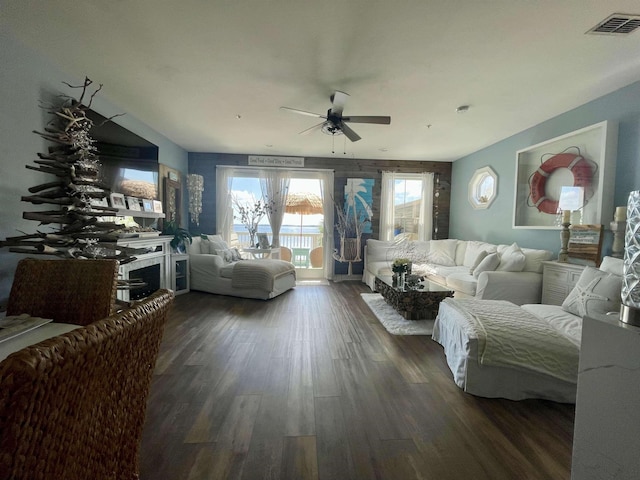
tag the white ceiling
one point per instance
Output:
(211, 75)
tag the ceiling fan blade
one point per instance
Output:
(368, 119)
(348, 132)
(338, 100)
(311, 129)
(302, 112)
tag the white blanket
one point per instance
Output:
(511, 337)
(260, 274)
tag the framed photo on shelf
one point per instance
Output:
(574, 172)
(263, 241)
(117, 201)
(147, 205)
(99, 202)
(134, 203)
(157, 206)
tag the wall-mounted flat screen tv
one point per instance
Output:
(129, 163)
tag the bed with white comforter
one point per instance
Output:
(500, 350)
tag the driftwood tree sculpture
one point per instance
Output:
(72, 159)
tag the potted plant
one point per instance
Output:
(180, 236)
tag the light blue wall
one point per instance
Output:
(25, 79)
(494, 224)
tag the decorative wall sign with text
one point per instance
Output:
(262, 161)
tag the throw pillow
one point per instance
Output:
(442, 252)
(235, 255)
(512, 259)
(488, 264)
(595, 294)
(226, 254)
(206, 247)
(479, 257)
(472, 251)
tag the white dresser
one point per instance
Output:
(558, 279)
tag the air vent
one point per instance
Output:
(617, 24)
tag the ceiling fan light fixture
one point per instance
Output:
(328, 128)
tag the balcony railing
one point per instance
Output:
(290, 240)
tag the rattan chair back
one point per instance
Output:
(316, 257)
(73, 407)
(285, 254)
(66, 290)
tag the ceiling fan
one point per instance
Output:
(334, 123)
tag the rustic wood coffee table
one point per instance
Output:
(415, 303)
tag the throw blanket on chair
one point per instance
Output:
(511, 337)
(260, 274)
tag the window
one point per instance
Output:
(406, 205)
(483, 188)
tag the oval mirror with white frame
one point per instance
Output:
(483, 188)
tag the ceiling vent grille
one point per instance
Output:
(617, 24)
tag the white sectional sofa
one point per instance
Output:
(471, 269)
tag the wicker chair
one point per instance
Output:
(73, 407)
(316, 257)
(68, 290)
(285, 254)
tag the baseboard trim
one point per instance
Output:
(347, 278)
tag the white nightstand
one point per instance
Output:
(180, 273)
(558, 279)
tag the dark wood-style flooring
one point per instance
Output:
(310, 385)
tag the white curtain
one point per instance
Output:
(425, 222)
(387, 207)
(275, 186)
(224, 207)
(326, 180)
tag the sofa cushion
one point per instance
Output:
(378, 250)
(511, 259)
(488, 264)
(481, 255)
(612, 265)
(595, 294)
(440, 273)
(227, 270)
(443, 252)
(534, 259)
(461, 251)
(210, 243)
(462, 282)
(380, 269)
(473, 250)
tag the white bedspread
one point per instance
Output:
(509, 336)
(260, 274)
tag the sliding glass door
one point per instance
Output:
(292, 207)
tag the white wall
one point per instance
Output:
(26, 78)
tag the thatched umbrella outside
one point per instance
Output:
(303, 203)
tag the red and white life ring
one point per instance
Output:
(537, 185)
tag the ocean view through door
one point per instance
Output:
(302, 231)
